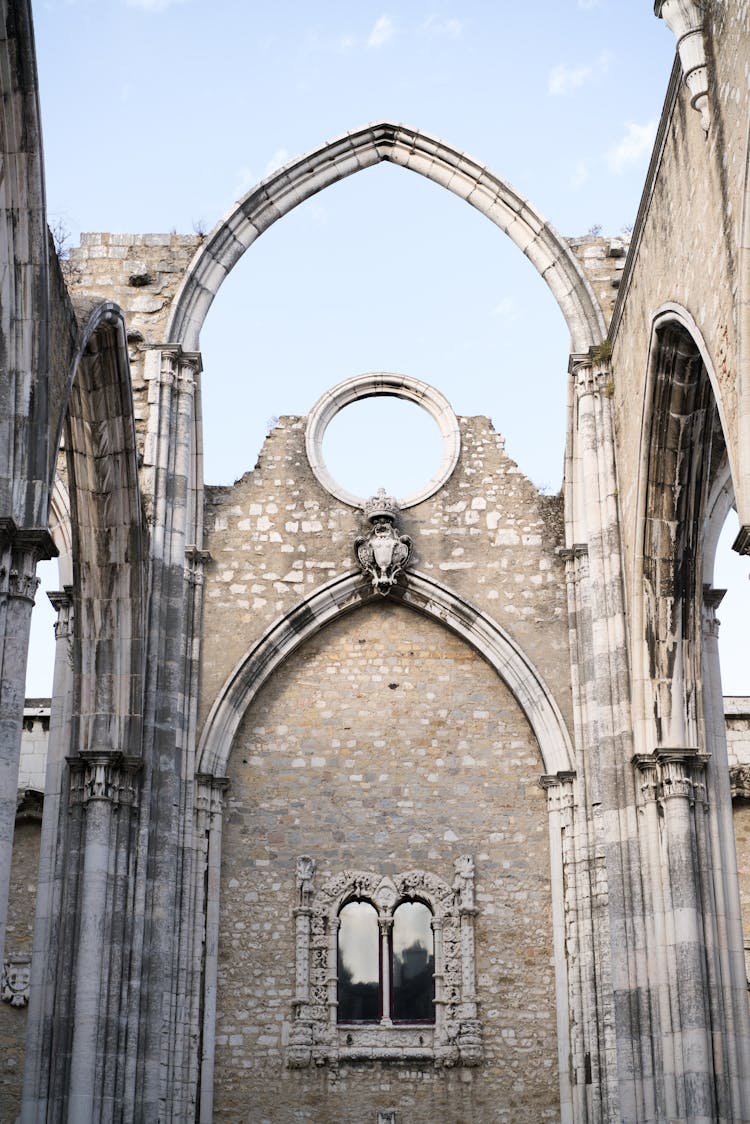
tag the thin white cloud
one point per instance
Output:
(587, 5)
(383, 30)
(580, 175)
(244, 180)
(632, 148)
(506, 309)
(278, 160)
(153, 5)
(450, 28)
(564, 79)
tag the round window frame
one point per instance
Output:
(374, 385)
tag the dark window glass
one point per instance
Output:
(413, 964)
(358, 964)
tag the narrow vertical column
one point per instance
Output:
(385, 924)
(559, 790)
(211, 796)
(728, 984)
(619, 1042)
(38, 1096)
(332, 997)
(20, 551)
(155, 1013)
(299, 1050)
(663, 1097)
(439, 975)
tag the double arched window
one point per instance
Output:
(385, 964)
(385, 968)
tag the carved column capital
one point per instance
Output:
(112, 777)
(209, 793)
(62, 602)
(591, 375)
(195, 562)
(647, 766)
(682, 772)
(21, 548)
(559, 789)
(712, 598)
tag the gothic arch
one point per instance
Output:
(107, 537)
(426, 596)
(684, 483)
(364, 148)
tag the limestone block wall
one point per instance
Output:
(139, 272)
(386, 744)
(276, 535)
(686, 245)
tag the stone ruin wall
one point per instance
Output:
(385, 743)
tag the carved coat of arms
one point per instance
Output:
(383, 553)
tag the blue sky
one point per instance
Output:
(158, 114)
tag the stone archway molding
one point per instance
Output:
(409, 148)
(421, 593)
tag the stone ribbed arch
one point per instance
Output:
(420, 593)
(108, 538)
(683, 461)
(364, 148)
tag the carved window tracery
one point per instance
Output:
(439, 983)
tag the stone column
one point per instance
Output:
(568, 989)
(101, 783)
(385, 925)
(38, 1094)
(617, 1058)
(680, 769)
(726, 964)
(210, 805)
(155, 1016)
(20, 551)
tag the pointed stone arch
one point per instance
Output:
(364, 148)
(422, 594)
(107, 536)
(685, 470)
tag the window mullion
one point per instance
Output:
(385, 921)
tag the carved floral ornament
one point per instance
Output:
(317, 1038)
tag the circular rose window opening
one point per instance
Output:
(382, 431)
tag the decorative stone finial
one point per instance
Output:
(383, 553)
